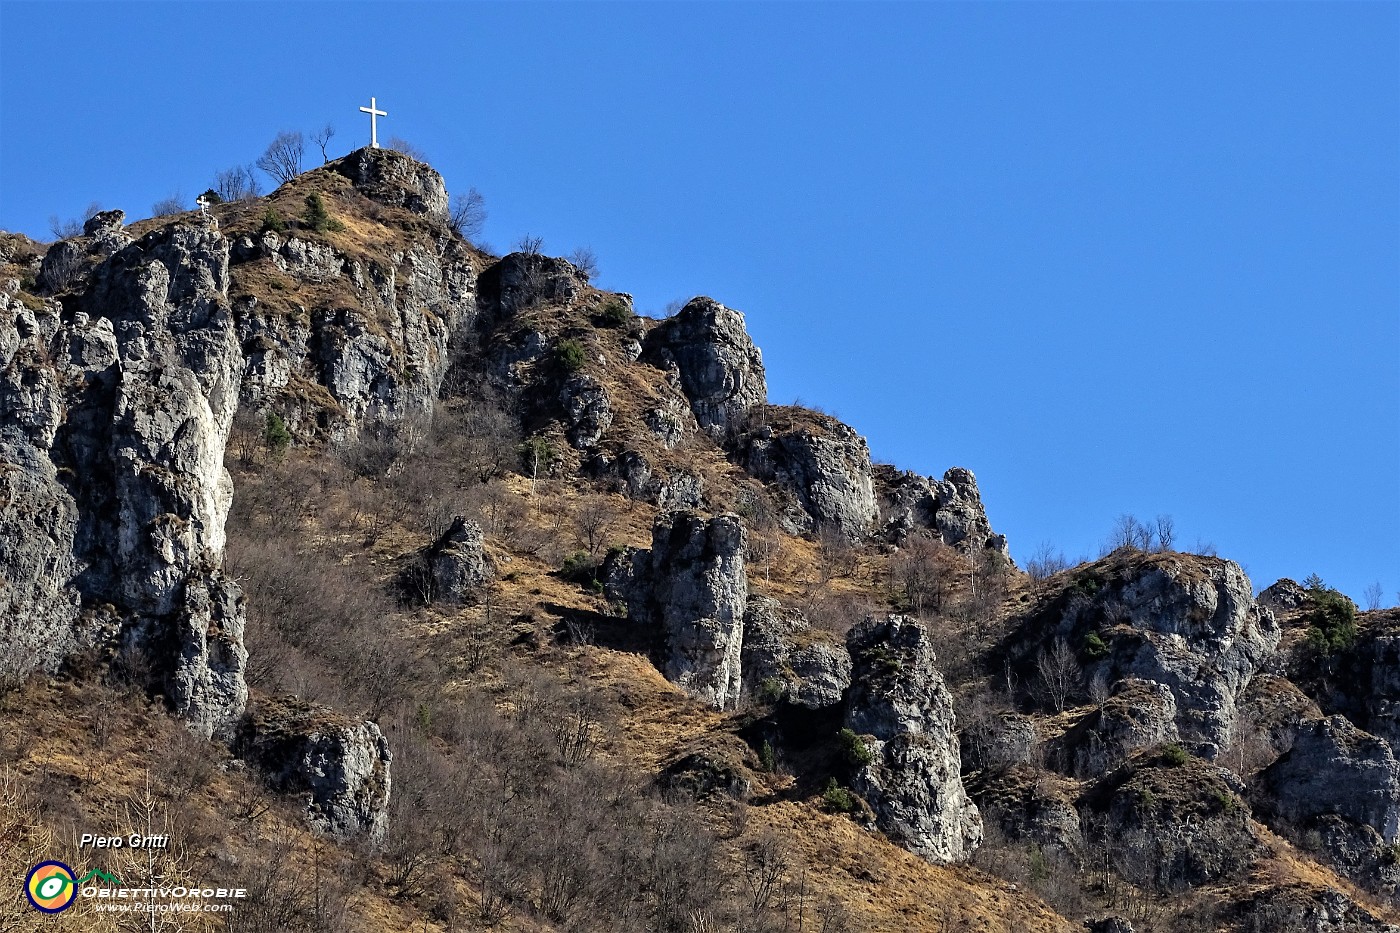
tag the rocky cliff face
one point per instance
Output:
(823, 462)
(950, 509)
(1187, 622)
(718, 367)
(900, 706)
(115, 420)
(784, 659)
(693, 587)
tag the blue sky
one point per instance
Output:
(1115, 258)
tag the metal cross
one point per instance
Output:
(373, 128)
(203, 203)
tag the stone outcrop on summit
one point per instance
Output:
(719, 368)
(950, 508)
(823, 462)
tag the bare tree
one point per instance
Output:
(530, 245)
(468, 215)
(399, 144)
(593, 520)
(1374, 594)
(175, 204)
(237, 183)
(1045, 563)
(1058, 675)
(585, 261)
(283, 157)
(1166, 532)
(322, 138)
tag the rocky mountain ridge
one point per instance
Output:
(1145, 703)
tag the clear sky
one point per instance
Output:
(1113, 258)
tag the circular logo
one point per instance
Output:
(50, 887)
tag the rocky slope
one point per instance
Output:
(484, 499)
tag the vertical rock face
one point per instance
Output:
(720, 369)
(1335, 768)
(1139, 714)
(343, 766)
(899, 704)
(826, 464)
(692, 585)
(522, 281)
(116, 425)
(950, 508)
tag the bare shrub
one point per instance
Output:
(585, 261)
(399, 144)
(921, 574)
(530, 245)
(322, 139)
(175, 204)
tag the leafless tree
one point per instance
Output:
(322, 139)
(530, 245)
(1166, 532)
(1058, 674)
(399, 144)
(174, 204)
(920, 574)
(1373, 595)
(585, 261)
(1045, 563)
(593, 519)
(283, 157)
(468, 214)
(237, 183)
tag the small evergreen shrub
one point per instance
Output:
(1094, 646)
(272, 221)
(276, 437)
(317, 217)
(1174, 756)
(570, 354)
(768, 757)
(615, 314)
(837, 798)
(579, 568)
(854, 749)
(772, 689)
(1331, 621)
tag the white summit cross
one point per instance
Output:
(373, 128)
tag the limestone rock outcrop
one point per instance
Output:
(453, 568)
(900, 707)
(343, 766)
(1175, 820)
(1138, 714)
(1334, 768)
(114, 423)
(390, 177)
(692, 586)
(951, 509)
(522, 281)
(1185, 621)
(586, 408)
(719, 368)
(824, 463)
(784, 659)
